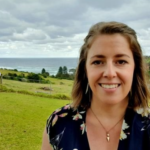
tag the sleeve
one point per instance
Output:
(55, 126)
(49, 125)
(54, 138)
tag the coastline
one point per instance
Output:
(35, 65)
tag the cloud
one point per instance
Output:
(41, 28)
(30, 34)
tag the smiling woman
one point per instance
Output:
(110, 67)
(110, 96)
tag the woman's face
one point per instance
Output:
(110, 69)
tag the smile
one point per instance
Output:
(109, 86)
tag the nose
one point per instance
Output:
(109, 71)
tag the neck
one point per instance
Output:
(109, 110)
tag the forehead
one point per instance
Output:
(109, 44)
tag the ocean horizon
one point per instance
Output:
(35, 65)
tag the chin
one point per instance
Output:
(113, 101)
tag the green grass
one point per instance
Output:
(23, 118)
(58, 86)
(6, 71)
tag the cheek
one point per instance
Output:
(127, 76)
(93, 76)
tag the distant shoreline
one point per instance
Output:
(35, 65)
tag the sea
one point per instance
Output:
(36, 65)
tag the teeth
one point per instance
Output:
(108, 86)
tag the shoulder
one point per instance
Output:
(143, 113)
(59, 113)
(65, 121)
(138, 119)
(145, 125)
(64, 116)
(56, 122)
(144, 118)
(137, 128)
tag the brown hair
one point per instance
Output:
(140, 94)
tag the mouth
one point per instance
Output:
(109, 86)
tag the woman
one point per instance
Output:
(110, 96)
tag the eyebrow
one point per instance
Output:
(118, 56)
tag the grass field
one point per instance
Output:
(22, 120)
(23, 117)
(58, 86)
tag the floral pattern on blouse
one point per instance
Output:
(56, 140)
(83, 127)
(123, 135)
(66, 128)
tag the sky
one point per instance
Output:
(57, 28)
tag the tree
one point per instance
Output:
(45, 75)
(63, 73)
(43, 71)
(60, 70)
(72, 71)
(65, 70)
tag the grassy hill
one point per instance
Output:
(23, 118)
(55, 88)
(24, 109)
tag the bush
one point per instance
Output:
(12, 74)
(15, 70)
(34, 77)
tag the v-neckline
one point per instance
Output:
(86, 136)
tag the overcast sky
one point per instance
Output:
(56, 28)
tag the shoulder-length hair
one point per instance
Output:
(139, 95)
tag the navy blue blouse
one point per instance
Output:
(66, 129)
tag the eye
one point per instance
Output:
(97, 62)
(121, 62)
